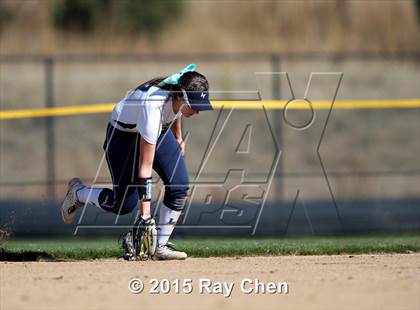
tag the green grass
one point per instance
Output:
(79, 249)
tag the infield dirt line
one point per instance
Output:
(314, 282)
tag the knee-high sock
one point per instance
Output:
(167, 222)
(89, 195)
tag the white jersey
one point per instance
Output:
(144, 111)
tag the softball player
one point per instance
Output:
(144, 133)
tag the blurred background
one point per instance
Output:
(85, 52)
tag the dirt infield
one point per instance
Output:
(314, 282)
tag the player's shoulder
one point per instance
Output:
(156, 97)
(155, 91)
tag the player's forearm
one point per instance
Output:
(146, 156)
(176, 129)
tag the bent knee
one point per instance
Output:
(121, 205)
(176, 197)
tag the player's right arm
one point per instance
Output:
(146, 154)
(149, 126)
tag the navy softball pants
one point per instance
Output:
(122, 154)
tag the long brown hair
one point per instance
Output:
(156, 81)
(190, 81)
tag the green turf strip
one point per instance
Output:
(76, 248)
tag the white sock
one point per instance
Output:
(90, 195)
(167, 222)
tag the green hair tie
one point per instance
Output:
(174, 78)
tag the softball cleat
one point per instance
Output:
(168, 252)
(71, 203)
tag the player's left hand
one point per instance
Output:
(181, 145)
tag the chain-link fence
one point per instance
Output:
(348, 155)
